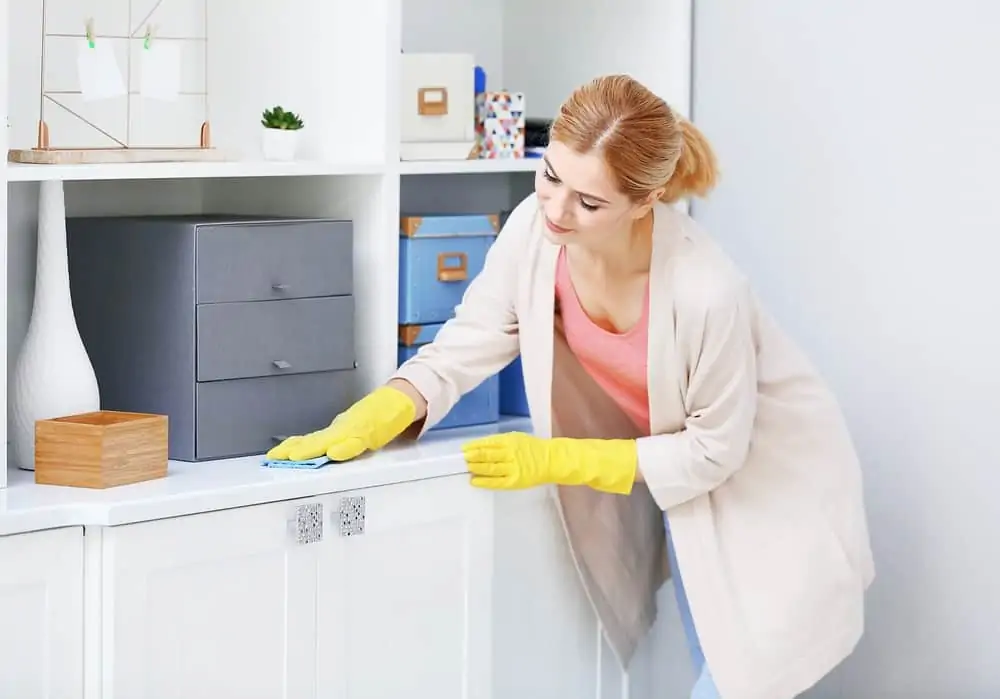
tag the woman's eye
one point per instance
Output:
(588, 207)
(550, 177)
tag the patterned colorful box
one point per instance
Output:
(500, 124)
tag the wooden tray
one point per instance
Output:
(43, 154)
(77, 156)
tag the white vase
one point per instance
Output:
(53, 375)
(279, 144)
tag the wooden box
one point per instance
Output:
(102, 449)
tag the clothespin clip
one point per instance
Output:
(90, 32)
(148, 38)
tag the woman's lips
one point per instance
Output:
(557, 229)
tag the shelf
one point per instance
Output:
(448, 167)
(19, 172)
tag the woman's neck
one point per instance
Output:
(620, 255)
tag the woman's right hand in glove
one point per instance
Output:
(369, 424)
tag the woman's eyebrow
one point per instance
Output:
(582, 194)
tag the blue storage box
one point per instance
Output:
(513, 400)
(479, 406)
(438, 257)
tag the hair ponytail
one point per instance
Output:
(697, 169)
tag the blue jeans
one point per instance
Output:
(704, 686)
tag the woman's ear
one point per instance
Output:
(643, 208)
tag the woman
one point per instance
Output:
(733, 434)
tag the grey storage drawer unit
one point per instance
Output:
(239, 329)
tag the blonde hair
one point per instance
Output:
(645, 144)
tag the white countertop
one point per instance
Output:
(190, 488)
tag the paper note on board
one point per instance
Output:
(160, 76)
(100, 77)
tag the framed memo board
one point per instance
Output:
(122, 81)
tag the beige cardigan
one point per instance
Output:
(750, 457)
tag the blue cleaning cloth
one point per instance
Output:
(318, 462)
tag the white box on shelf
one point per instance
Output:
(438, 103)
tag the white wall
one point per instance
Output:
(552, 47)
(859, 144)
(459, 26)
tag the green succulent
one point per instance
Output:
(278, 118)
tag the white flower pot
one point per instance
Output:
(279, 144)
(53, 376)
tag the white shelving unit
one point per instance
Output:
(337, 63)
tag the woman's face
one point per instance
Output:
(579, 199)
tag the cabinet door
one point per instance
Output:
(405, 603)
(546, 637)
(547, 641)
(41, 615)
(220, 604)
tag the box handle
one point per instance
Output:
(453, 267)
(281, 364)
(432, 101)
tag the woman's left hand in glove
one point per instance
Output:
(516, 460)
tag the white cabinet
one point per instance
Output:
(427, 589)
(41, 614)
(369, 593)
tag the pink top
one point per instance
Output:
(616, 361)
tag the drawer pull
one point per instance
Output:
(280, 287)
(452, 267)
(281, 364)
(352, 516)
(432, 101)
(279, 438)
(309, 523)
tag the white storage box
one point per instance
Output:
(439, 106)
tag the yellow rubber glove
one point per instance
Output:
(516, 460)
(369, 424)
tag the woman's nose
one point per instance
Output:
(559, 212)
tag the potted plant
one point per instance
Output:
(281, 133)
